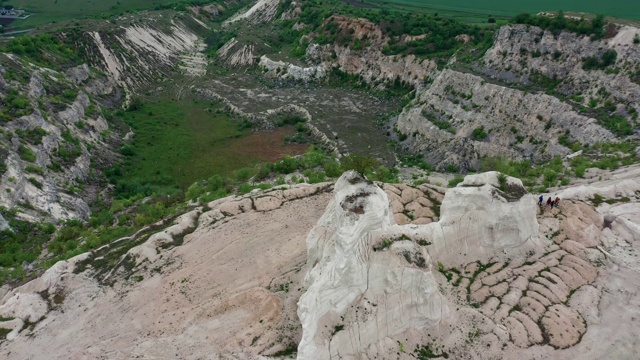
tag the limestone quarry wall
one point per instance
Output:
(561, 56)
(47, 152)
(148, 50)
(519, 124)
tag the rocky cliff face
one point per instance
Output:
(368, 62)
(494, 275)
(53, 132)
(354, 298)
(518, 124)
(521, 51)
(145, 50)
(371, 64)
(527, 91)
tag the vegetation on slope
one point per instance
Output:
(594, 27)
(442, 31)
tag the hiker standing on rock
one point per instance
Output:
(549, 201)
(540, 200)
(557, 201)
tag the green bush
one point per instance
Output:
(607, 59)
(264, 172)
(44, 49)
(26, 153)
(479, 133)
(617, 124)
(286, 165)
(245, 188)
(33, 136)
(314, 177)
(359, 163)
(593, 27)
(244, 174)
(332, 168)
(34, 170)
(128, 150)
(455, 181)
(290, 119)
(383, 174)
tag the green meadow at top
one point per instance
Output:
(477, 11)
(480, 9)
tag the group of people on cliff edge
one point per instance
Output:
(551, 202)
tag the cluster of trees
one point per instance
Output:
(43, 49)
(608, 58)
(442, 31)
(442, 34)
(21, 243)
(593, 27)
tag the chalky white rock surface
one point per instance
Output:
(353, 287)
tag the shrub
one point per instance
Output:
(286, 165)
(455, 181)
(26, 153)
(359, 163)
(617, 124)
(479, 133)
(383, 174)
(136, 104)
(245, 188)
(128, 150)
(263, 172)
(332, 168)
(607, 59)
(290, 119)
(244, 174)
(502, 181)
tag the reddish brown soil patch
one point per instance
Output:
(610, 31)
(268, 146)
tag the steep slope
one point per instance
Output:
(226, 280)
(145, 50)
(531, 88)
(56, 139)
(53, 134)
(517, 124)
(520, 53)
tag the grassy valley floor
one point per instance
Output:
(181, 141)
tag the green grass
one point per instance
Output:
(46, 11)
(178, 142)
(506, 8)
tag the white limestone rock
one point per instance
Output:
(357, 298)
(478, 219)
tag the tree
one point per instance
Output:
(358, 163)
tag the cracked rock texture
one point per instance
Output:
(356, 297)
(237, 280)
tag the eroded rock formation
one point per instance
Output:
(227, 280)
(356, 297)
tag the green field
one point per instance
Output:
(46, 11)
(178, 143)
(627, 9)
